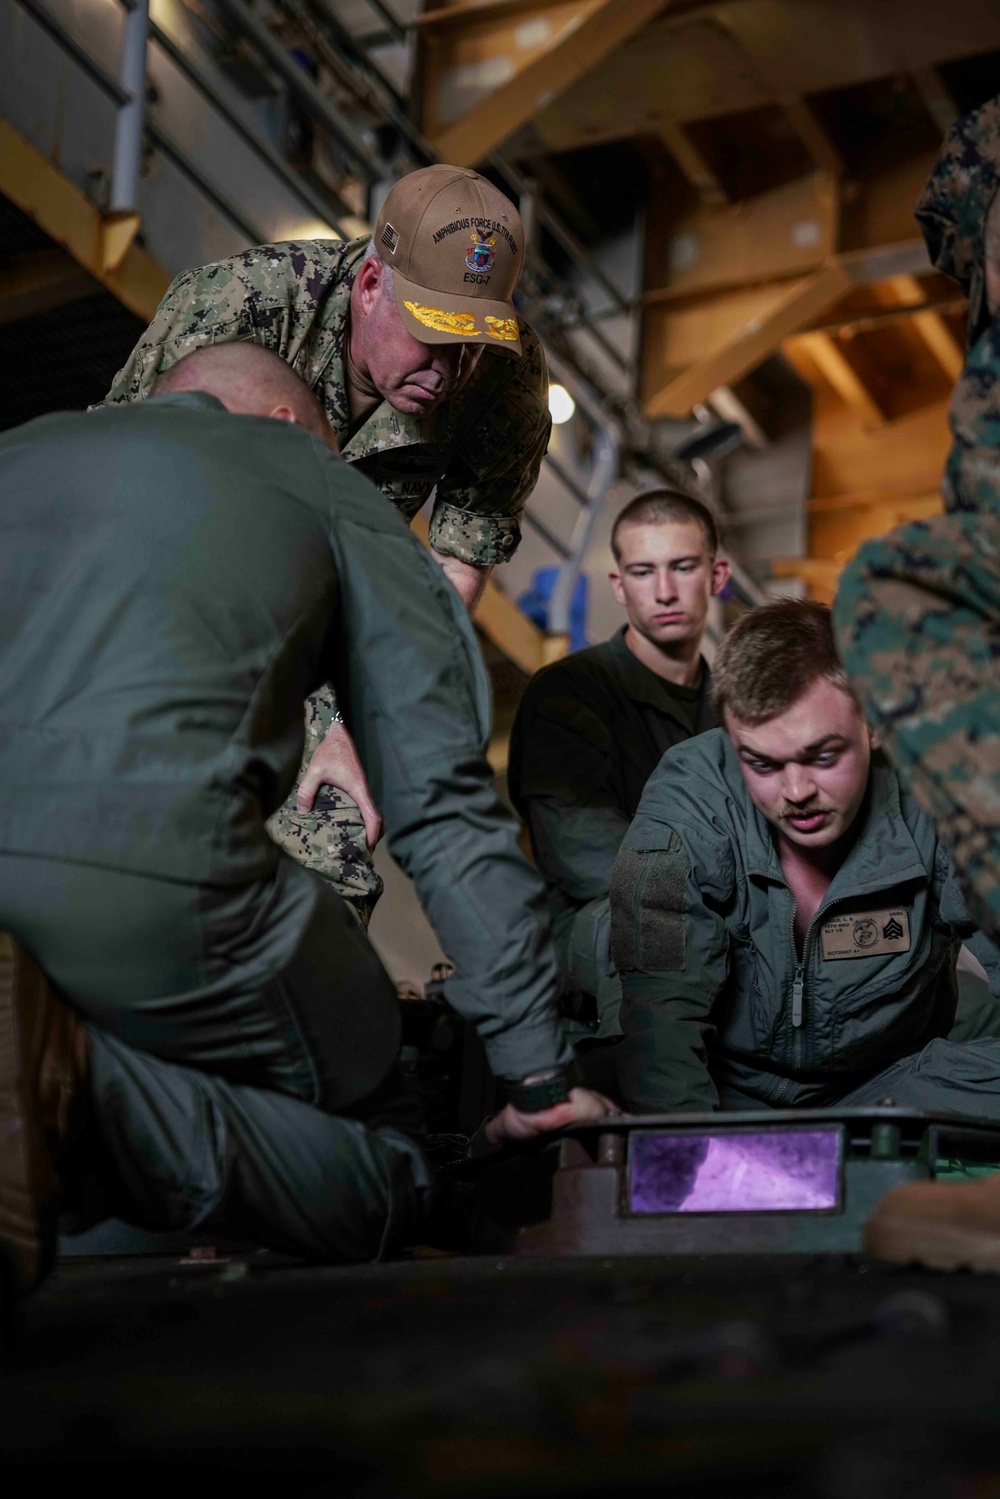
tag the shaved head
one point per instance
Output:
(249, 381)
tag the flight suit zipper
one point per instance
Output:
(798, 996)
(799, 981)
(798, 1008)
(798, 985)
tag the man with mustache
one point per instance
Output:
(785, 919)
(431, 384)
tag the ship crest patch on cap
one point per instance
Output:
(390, 238)
(481, 254)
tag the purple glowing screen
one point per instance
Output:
(745, 1172)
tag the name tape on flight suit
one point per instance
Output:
(866, 934)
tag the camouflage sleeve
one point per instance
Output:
(972, 473)
(478, 503)
(203, 306)
(270, 295)
(331, 837)
(917, 617)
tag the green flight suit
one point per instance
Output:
(718, 1007)
(479, 455)
(174, 582)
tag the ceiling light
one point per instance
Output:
(561, 404)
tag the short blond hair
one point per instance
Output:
(661, 507)
(771, 657)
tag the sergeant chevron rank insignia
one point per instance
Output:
(866, 934)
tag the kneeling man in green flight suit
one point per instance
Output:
(214, 1043)
(785, 918)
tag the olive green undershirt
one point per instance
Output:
(682, 703)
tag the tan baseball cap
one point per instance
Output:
(456, 247)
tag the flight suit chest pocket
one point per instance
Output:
(866, 955)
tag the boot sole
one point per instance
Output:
(27, 1177)
(937, 1245)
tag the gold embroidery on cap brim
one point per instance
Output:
(502, 327)
(445, 322)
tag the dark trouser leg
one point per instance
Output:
(918, 624)
(230, 1027)
(182, 1149)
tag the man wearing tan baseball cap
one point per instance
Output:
(431, 382)
(456, 247)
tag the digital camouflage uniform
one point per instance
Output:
(479, 454)
(918, 611)
(331, 837)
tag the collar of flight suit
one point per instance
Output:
(194, 400)
(883, 854)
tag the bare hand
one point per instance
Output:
(581, 1107)
(467, 579)
(335, 763)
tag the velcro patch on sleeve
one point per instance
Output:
(647, 908)
(626, 873)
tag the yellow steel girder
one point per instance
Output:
(103, 246)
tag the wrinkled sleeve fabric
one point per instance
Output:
(671, 949)
(562, 781)
(575, 847)
(954, 913)
(410, 675)
(498, 453)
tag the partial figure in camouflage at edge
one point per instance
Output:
(389, 333)
(918, 611)
(918, 624)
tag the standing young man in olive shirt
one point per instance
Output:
(592, 728)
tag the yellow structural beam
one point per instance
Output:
(104, 246)
(42, 282)
(817, 571)
(696, 249)
(692, 64)
(522, 55)
(732, 336)
(932, 328)
(833, 360)
(731, 284)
